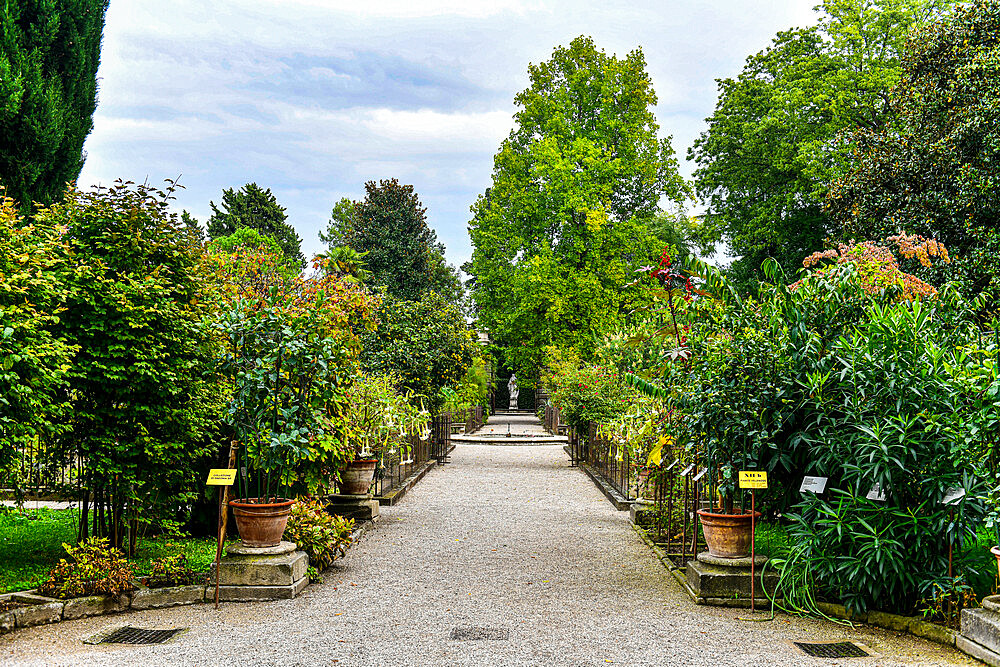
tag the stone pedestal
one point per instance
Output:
(360, 508)
(728, 578)
(980, 636)
(270, 573)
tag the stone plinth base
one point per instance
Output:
(360, 508)
(271, 573)
(980, 636)
(715, 581)
(708, 559)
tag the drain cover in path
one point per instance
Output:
(833, 650)
(479, 633)
(130, 635)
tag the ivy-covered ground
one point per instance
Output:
(31, 543)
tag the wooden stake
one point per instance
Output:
(753, 550)
(223, 519)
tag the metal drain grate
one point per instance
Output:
(467, 634)
(835, 650)
(130, 635)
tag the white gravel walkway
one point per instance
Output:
(507, 538)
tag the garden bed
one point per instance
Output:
(32, 540)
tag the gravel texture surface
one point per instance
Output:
(509, 539)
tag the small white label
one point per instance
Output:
(952, 495)
(876, 493)
(687, 471)
(701, 474)
(813, 484)
(676, 461)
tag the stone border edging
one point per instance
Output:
(621, 503)
(43, 610)
(396, 494)
(913, 625)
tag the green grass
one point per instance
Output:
(31, 544)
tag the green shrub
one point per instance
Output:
(584, 392)
(172, 571)
(323, 536)
(93, 568)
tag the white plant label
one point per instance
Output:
(953, 495)
(813, 484)
(876, 493)
(701, 474)
(687, 471)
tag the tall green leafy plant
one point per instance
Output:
(143, 389)
(291, 355)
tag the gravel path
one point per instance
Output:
(505, 538)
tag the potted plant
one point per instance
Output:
(720, 379)
(378, 421)
(290, 352)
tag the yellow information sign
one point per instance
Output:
(221, 477)
(753, 479)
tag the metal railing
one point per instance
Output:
(37, 472)
(399, 465)
(668, 496)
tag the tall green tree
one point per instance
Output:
(402, 252)
(144, 394)
(558, 234)
(256, 208)
(35, 278)
(49, 54)
(937, 173)
(341, 221)
(780, 133)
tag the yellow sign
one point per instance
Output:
(221, 477)
(753, 479)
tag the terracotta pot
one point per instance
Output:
(356, 478)
(727, 535)
(996, 552)
(261, 524)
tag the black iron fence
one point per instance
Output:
(666, 496)
(397, 466)
(38, 472)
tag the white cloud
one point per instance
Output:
(314, 97)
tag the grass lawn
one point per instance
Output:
(31, 544)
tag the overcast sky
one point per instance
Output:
(312, 98)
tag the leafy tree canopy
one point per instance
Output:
(257, 208)
(426, 343)
(563, 225)
(937, 172)
(35, 269)
(777, 137)
(49, 54)
(401, 251)
(143, 389)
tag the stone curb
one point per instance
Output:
(44, 610)
(913, 625)
(621, 503)
(396, 494)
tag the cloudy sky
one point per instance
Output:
(312, 98)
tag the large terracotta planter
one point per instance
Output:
(356, 478)
(727, 535)
(261, 524)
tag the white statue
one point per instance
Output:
(514, 392)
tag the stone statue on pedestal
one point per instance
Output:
(514, 393)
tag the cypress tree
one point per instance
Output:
(256, 208)
(49, 54)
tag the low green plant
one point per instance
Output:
(93, 568)
(323, 536)
(172, 571)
